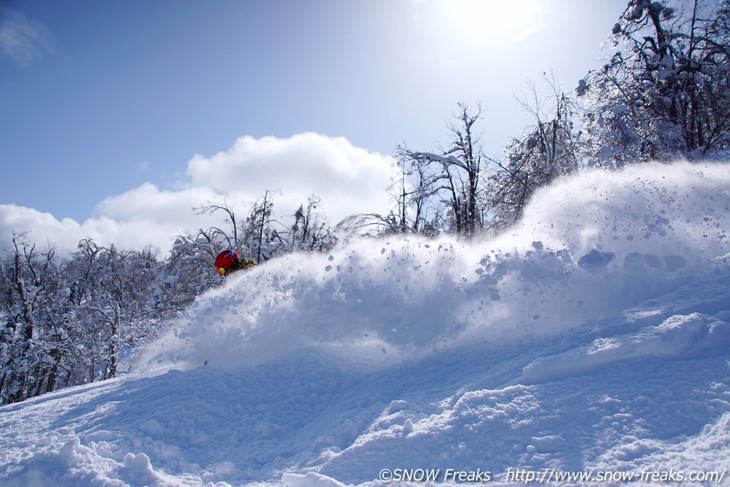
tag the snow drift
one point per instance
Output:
(588, 246)
(592, 339)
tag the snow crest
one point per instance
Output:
(588, 246)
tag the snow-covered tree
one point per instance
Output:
(114, 301)
(664, 92)
(310, 231)
(188, 270)
(33, 340)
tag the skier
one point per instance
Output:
(228, 261)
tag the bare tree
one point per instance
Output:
(257, 230)
(547, 150)
(455, 174)
(231, 236)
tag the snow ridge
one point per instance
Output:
(589, 245)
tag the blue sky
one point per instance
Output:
(104, 104)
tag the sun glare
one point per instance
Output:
(502, 21)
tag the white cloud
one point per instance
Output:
(44, 228)
(23, 41)
(348, 179)
(151, 203)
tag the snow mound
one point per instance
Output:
(75, 464)
(588, 246)
(311, 479)
(593, 340)
(679, 337)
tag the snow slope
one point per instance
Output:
(593, 340)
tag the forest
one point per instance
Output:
(662, 95)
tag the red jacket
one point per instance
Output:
(226, 259)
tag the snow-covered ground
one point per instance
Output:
(592, 340)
